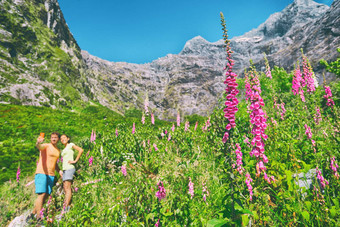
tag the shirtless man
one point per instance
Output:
(44, 175)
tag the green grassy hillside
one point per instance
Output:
(21, 126)
(219, 194)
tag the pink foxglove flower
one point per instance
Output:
(161, 193)
(146, 105)
(322, 180)
(152, 119)
(248, 183)
(317, 116)
(334, 167)
(283, 110)
(308, 75)
(93, 137)
(90, 161)
(76, 189)
(133, 128)
(169, 137)
(178, 119)
(143, 119)
(191, 188)
(298, 84)
(196, 125)
(231, 86)
(157, 223)
(173, 127)
(239, 162)
(308, 132)
(155, 146)
(18, 174)
(186, 126)
(268, 72)
(123, 168)
(328, 96)
(205, 192)
(116, 132)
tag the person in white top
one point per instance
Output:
(68, 167)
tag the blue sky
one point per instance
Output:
(140, 31)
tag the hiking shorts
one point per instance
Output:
(43, 183)
(68, 174)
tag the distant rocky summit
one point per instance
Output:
(51, 70)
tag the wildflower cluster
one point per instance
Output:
(239, 163)
(322, 180)
(93, 137)
(308, 75)
(18, 174)
(91, 161)
(123, 168)
(178, 120)
(191, 188)
(257, 118)
(328, 96)
(268, 72)
(161, 193)
(297, 83)
(91, 182)
(231, 89)
(186, 126)
(334, 167)
(308, 132)
(205, 192)
(317, 116)
(281, 109)
(133, 128)
(152, 118)
(248, 183)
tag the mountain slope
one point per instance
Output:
(40, 60)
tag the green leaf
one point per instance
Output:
(246, 211)
(151, 215)
(217, 223)
(333, 211)
(308, 204)
(245, 220)
(305, 215)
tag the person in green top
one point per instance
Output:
(68, 167)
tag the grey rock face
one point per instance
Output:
(192, 81)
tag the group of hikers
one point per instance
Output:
(46, 167)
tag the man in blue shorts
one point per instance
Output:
(45, 173)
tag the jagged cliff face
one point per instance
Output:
(41, 63)
(192, 81)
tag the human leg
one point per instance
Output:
(68, 193)
(39, 203)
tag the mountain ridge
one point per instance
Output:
(47, 67)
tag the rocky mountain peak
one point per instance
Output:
(294, 15)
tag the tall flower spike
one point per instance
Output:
(133, 128)
(309, 77)
(152, 119)
(258, 119)
(143, 119)
(146, 104)
(231, 89)
(18, 174)
(161, 193)
(328, 96)
(191, 188)
(268, 72)
(178, 119)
